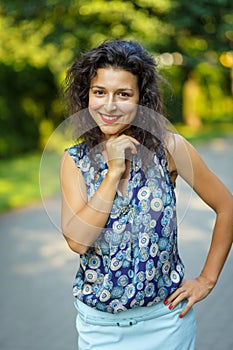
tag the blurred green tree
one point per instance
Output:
(40, 39)
(202, 32)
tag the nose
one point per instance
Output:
(111, 104)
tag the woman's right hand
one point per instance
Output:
(117, 149)
(83, 220)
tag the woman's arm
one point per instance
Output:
(206, 184)
(83, 221)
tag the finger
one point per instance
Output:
(131, 138)
(186, 309)
(122, 144)
(172, 297)
(180, 294)
(177, 301)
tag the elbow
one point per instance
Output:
(75, 246)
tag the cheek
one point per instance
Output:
(128, 109)
(93, 107)
(94, 103)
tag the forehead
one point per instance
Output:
(114, 77)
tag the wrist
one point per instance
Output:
(208, 281)
(114, 176)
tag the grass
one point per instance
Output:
(21, 182)
(24, 179)
(205, 133)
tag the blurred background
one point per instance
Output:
(192, 42)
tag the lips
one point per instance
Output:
(109, 119)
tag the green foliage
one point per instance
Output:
(39, 40)
(201, 26)
(19, 180)
(27, 98)
(214, 102)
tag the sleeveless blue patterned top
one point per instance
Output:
(135, 261)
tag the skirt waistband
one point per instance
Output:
(124, 318)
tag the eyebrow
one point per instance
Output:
(102, 87)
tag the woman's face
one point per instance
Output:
(113, 100)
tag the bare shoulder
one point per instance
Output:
(176, 143)
(67, 160)
(178, 151)
(187, 161)
(71, 177)
(68, 166)
(194, 170)
(184, 155)
(73, 187)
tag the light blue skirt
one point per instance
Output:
(143, 328)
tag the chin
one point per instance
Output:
(112, 130)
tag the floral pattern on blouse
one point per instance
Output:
(135, 260)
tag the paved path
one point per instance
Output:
(37, 269)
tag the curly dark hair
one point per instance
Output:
(132, 57)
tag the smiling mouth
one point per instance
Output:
(109, 119)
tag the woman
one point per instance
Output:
(119, 207)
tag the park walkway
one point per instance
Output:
(37, 270)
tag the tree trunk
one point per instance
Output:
(191, 93)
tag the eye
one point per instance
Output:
(124, 94)
(98, 92)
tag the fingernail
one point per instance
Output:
(181, 316)
(170, 307)
(165, 302)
